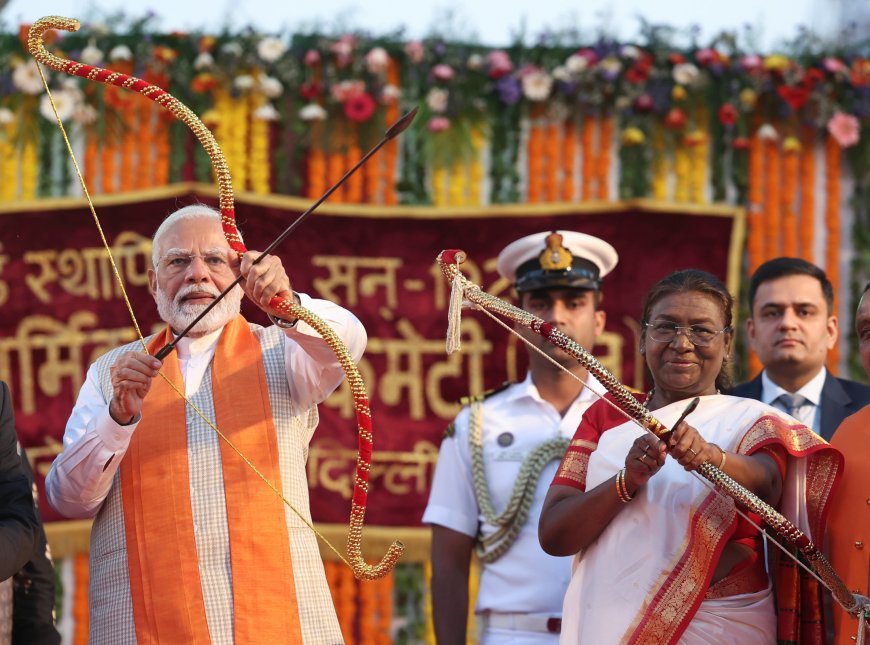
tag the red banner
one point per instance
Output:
(61, 308)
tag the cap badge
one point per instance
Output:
(555, 257)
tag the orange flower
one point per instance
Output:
(204, 82)
(675, 119)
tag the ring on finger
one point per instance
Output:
(641, 458)
(693, 452)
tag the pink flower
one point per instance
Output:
(377, 60)
(343, 50)
(359, 108)
(346, 90)
(845, 129)
(415, 51)
(499, 63)
(438, 124)
(442, 72)
(312, 58)
(751, 63)
(833, 65)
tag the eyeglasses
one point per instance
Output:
(664, 331)
(176, 263)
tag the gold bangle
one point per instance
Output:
(621, 488)
(722, 463)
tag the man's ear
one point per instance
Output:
(152, 283)
(600, 321)
(833, 326)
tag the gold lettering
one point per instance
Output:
(88, 272)
(344, 273)
(330, 466)
(611, 359)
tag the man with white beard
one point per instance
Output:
(184, 529)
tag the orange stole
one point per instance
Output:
(162, 558)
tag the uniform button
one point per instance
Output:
(859, 545)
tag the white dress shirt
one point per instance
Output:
(94, 444)
(524, 579)
(810, 412)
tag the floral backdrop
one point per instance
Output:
(784, 133)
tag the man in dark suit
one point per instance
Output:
(19, 528)
(791, 328)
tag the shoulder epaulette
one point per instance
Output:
(477, 398)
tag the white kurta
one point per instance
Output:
(525, 579)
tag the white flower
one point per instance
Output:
(630, 51)
(85, 114)
(437, 99)
(377, 60)
(203, 61)
(561, 73)
(91, 55)
(537, 85)
(266, 112)
(243, 82)
(64, 101)
(312, 112)
(768, 133)
(475, 62)
(610, 66)
(26, 77)
(576, 63)
(271, 87)
(100, 28)
(120, 52)
(271, 49)
(7, 116)
(232, 49)
(390, 93)
(685, 73)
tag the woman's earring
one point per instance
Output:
(642, 350)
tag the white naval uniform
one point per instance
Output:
(525, 580)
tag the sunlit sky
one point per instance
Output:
(494, 22)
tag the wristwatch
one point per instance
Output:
(283, 324)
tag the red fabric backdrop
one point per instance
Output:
(61, 309)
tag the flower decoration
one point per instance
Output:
(728, 114)
(266, 112)
(442, 72)
(26, 79)
(791, 144)
(437, 99)
(498, 64)
(675, 119)
(438, 124)
(633, 136)
(845, 129)
(359, 107)
(65, 101)
(536, 84)
(377, 60)
(270, 49)
(312, 112)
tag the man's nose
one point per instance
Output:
(789, 318)
(197, 270)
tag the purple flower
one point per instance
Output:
(509, 90)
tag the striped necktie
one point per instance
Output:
(791, 403)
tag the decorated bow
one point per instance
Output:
(287, 306)
(449, 262)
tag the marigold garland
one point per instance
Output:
(457, 181)
(334, 170)
(147, 132)
(808, 195)
(346, 607)
(355, 184)
(476, 170)
(569, 152)
(29, 169)
(109, 168)
(755, 219)
(605, 145)
(316, 172)
(80, 599)
(587, 140)
(8, 165)
(390, 196)
(439, 186)
(772, 200)
(162, 151)
(535, 158)
(385, 607)
(428, 622)
(789, 197)
(682, 168)
(832, 226)
(552, 158)
(367, 613)
(259, 159)
(129, 146)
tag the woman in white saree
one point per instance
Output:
(660, 557)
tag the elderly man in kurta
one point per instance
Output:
(188, 544)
